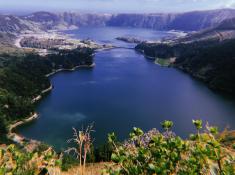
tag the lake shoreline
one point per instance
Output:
(20, 139)
(109, 55)
(14, 136)
(72, 69)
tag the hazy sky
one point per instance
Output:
(115, 5)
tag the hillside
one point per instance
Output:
(210, 61)
(66, 20)
(213, 64)
(208, 55)
(227, 24)
(14, 24)
(190, 21)
(223, 31)
(22, 79)
(6, 39)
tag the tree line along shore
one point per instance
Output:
(23, 80)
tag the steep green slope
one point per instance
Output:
(211, 61)
(22, 78)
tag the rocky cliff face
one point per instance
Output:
(198, 20)
(225, 30)
(191, 21)
(227, 24)
(85, 19)
(152, 21)
(67, 20)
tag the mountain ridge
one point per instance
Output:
(189, 21)
(196, 20)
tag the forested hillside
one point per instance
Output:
(210, 61)
(22, 78)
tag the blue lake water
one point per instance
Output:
(124, 90)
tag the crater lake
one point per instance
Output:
(122, 91)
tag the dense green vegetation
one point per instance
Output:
(22, 78)
(16, 161)
(213, 62)
(150, 153)
(167, 154)
(168, 50)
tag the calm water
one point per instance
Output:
(124, 90)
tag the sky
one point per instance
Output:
(115, 6)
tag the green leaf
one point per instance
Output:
(152, 167)
(197, 124)
(138, 131)
(213, 130)
(115, 157)
(112, 137)
(167, 124)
